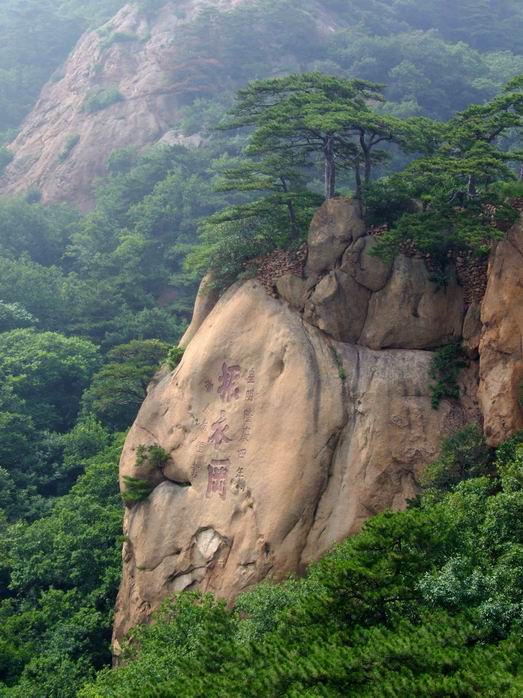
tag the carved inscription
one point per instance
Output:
(248, 413)
(218, 436)
(218, 473)
(238, 481)
(229, 389)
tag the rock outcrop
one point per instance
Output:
(501, 344)
(293, 418)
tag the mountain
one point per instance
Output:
(126, 84)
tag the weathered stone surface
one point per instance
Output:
(472, 330)
(411, 312)
(501, 346)
(206, 299)
(293, 289)
(335, 225)
(281, 456)
(338, 306)
(368, 270)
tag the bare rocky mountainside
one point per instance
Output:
(128, 58)
(302, 406)
(124, 84)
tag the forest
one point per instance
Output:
(405, 101)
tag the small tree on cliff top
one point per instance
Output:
(315, 113)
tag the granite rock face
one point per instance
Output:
(501, 344)
(273, 456)
(292, 419)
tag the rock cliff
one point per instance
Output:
(296, 414)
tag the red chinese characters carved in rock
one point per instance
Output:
(218, 436)
(218, 474)
(229, 389)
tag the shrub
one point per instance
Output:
(70, 143)
(153, 455)
(174, 357)
(445, 367)
(118, 38)
(136, 490)
(342, 373)
(101, 99)
(463, 456)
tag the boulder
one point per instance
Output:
(472, 328)
(206, 299)
(338, 306)
(412, 312)
(367, 269)
(335, 225)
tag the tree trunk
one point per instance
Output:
(292, 216)
(357, 175)
(330, 168)
(368, 167)
(290, 208)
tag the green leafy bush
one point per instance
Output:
(425, 602)
(136, 490)
(174, 357)
(154, 455)
(70, 144)
(117, 38)
(101, 99)
(463, 456)
(445, 369)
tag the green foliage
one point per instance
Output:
(313, 113)
(70, 143)
(445, 369)
(463, 456)
(119, 387)
(5, 158)
(34, 231)
(14, 316)
(174, 357)
(153, 455)
(48, 372)
(339, 363)
(136, 490)
(112, 38)
(35, 38)
(424, 602)
(101, 99)
(509, 462)
(461, 208)
(63, 572)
